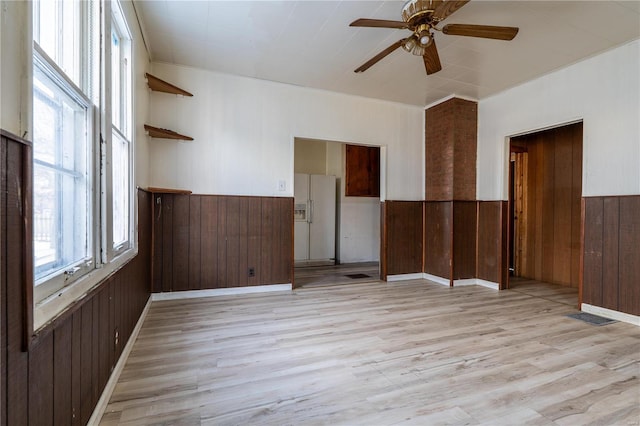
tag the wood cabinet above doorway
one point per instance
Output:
(362, 171)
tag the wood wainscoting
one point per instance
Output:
(59, 376)
(401, 235)
(219, 241)
(611, 270)
(491, 260)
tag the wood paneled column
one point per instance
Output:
(450, 189)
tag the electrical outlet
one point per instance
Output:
(117, 338)
(252, 272)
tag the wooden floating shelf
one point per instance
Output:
(167, 190)
(158, 85)
(156, 132)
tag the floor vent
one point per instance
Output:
(357, 276)
(591, 319)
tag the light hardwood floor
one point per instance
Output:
(378, 354)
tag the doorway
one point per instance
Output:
(357, 220)
(545, 190)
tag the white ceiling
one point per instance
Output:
(310, 43)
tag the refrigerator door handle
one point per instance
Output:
(310, 211)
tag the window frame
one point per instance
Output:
(65, 276)
(117, 23)
(53, 294)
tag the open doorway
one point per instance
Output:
(356, 230)
(545, 190)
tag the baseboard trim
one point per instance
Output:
(404, 277)
(101, 406)
(488, 284)
(436, 279)
(231, 291)
(611, 314)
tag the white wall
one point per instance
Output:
(141, 97)
(604, 91)
(244, 130)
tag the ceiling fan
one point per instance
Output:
(421, 17)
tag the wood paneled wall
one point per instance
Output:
(211, 241)
(451, 150)
(492, 242)
(549, 225)
(401, 237)
(438, 229)
(611, 253)
(59, 378)
(450, 239)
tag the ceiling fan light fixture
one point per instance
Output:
(413, 46)
(414, 8)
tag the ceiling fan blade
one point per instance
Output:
(431, 58)
(378, 23)
(379, 56)
(446, 8)
(484, 31)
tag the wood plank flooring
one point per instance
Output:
(377, 354)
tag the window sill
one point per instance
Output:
(47, 310)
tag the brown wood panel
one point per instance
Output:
(221, 272)
(465, 223)
(403, 224)
(548, 169)
(451, 151)
(195, 239)
(285, 256)
(167, 241)
(562, 188)
(610, 258)
(362, 171)
(243, 242)
(439, 151)
(593, 246)
(157, 242)
(17, 360)
(488, 244)
(86, 361)
(438, 228)
(3, 282)
(95, 350)
(254, 232)
(576, 207)
(76, 368)
(268, 234)
(209, 241)
(41, 382)
(232, 234)
(105, 337)
(383, 241)
(465, 150)
(62, 372)
(629, 278)
(180, 239)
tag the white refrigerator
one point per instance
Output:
(314, 219)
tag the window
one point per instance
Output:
(83, 182)
(62, 180)
(121, 146)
